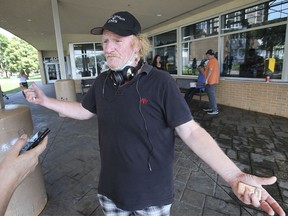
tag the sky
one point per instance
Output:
(6, 33)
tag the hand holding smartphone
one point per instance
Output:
(35, 139)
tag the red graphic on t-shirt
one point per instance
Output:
(143, 100)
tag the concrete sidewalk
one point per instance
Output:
(258, 144)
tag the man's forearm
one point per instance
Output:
(209, 151)
(69, 109)
(202, 144)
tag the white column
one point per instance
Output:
(58, 35)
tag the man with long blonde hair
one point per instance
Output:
(138, 109)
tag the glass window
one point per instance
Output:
(193, 54)
(149, 58)
(278, 10)
(255, 53)
(165, 38)
(168, 56)
(83, 49)
(165, 46)
(250, 52)
(201, 29)
(151, 40)
(89, 60)
(266, 13)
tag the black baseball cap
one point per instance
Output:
(210, 52)
(122, 23)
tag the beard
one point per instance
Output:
(115, 62)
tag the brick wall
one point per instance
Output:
(270, 98)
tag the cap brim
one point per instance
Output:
(121, 32)
(97, 31)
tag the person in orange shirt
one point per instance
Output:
(211, 79)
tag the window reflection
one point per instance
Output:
(169, 58)
(165, 38)
(258, 15)
(246, 51)
(201, 29)
(193, 54)
(89, 59)
(165, 46)
(254, 54)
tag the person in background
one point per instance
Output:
(255, 64)
(23, 77)
(194, 63)
(94, 71)
(138, 110)
(157, 62)
(212, 78)
(200, 85)
(14, 168)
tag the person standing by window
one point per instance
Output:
(212, 78)
(157, 62)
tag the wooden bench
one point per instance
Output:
(184, 85)
(86, 84)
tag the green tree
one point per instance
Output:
(3, 46)
(21, 55)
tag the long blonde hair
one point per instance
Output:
(144, 44)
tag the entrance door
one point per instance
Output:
(52, 72)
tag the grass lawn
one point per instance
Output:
(12, 85)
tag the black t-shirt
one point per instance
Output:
(136, 124)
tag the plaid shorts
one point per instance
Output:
(110, 209)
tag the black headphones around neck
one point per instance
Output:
(119, 77)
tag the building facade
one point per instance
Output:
(249, 38)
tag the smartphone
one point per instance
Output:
(34, 140)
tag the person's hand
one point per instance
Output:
(266, 201)
(200, 84)
(35, 95)
(206, 82)
(16, 167)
